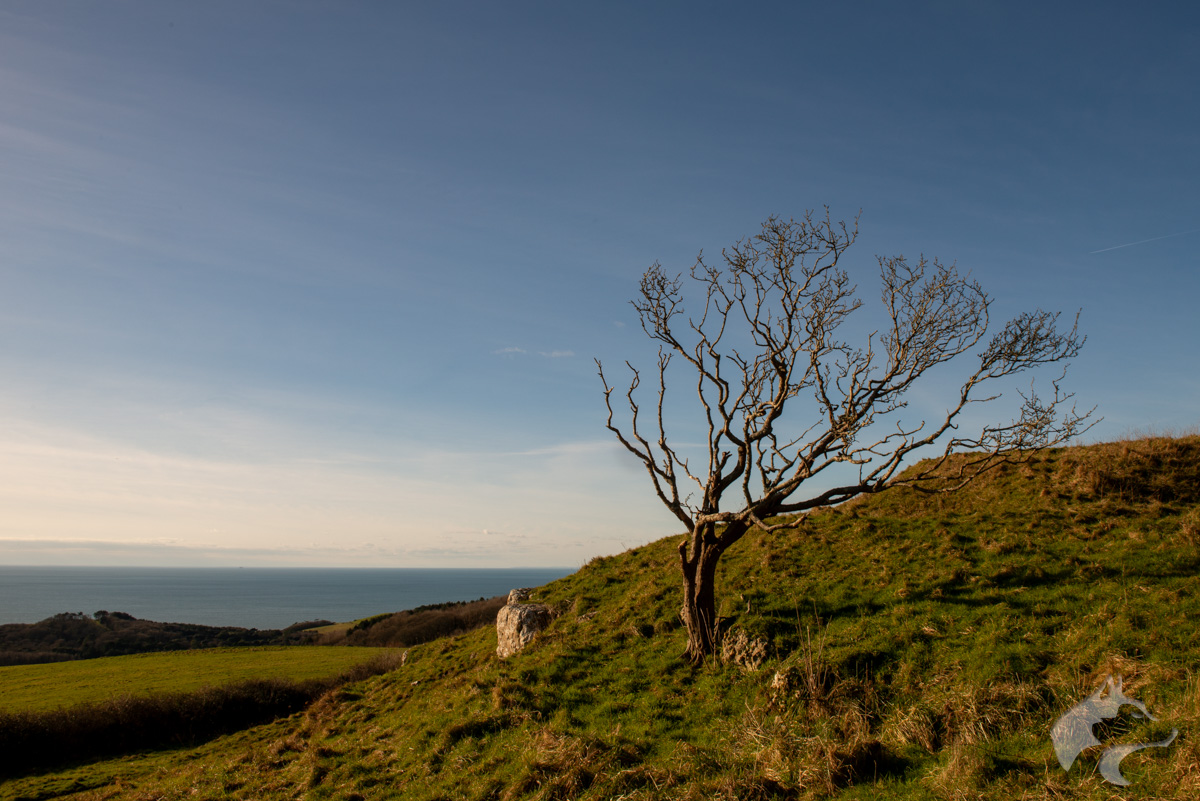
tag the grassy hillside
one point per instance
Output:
(414, 626)
(33, 688)
(917, 647)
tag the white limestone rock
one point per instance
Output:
(518, 623)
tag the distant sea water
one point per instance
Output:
(260, 598)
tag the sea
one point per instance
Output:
(254, 598)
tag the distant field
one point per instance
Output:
(43, 687)
(335, 628)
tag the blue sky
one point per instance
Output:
(321, 283)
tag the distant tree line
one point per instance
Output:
(75, 635)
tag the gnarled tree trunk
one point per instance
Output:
(699, 611)
(699, 568)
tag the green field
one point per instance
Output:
(36, 688)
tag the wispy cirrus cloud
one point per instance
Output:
(549, 354)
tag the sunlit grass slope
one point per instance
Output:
(917, 647)
(34, 688)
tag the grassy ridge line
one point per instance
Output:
(420, 625)
(412, 626)
(36, 688)
(33, 741)
(916, 647)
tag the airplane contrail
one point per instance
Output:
(1144, 241)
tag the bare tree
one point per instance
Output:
(766, 340)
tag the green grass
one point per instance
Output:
(919, 647)
(337, 628)
(36, 688)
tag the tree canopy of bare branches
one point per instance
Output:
(764, 339)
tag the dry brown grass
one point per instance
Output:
(915, 724)
(802, 755)
(1183, 713)
(816, 731)
(1156, 468)
(564, 766)
(558, 766)
(961, 775)
(1189, 526)
(973, 714)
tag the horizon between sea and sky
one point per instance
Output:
(303, 284)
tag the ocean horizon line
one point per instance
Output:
(281, 567)
(249, 597)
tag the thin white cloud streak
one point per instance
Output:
(66, 495)
(1144, 241)
(549, 354)
(480, 545)
(585, 448)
